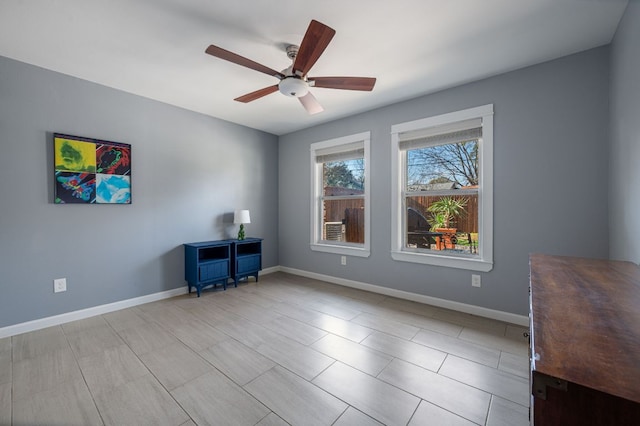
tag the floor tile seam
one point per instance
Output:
(307, 309)
(11, 402)
(434, 403)
(10, 381)
(500, 347)
(295, 319)
(13, 354)
(157, 380)
(49, 389)
(327, 313)
(438, 373)
(353, 366)
(525, 374)
(493, 397)
(386, 331)
(33, 395)
(415, 410)
(276, 350)
(301, 322)
(71, 380)
(348, 404)
(420, 399)
(481, 389)
(233, 337)
(138, 357)
(457, 414)
(376, 377)
(295, 374)
(369, 348)
(84, 379)
(226, 375)
(422, 326)
(193, 351)
(466, 324)
(488, 331)
(45, 354)
(261, 353)
(448, 351)
(496, 369)
(266, 341)
(343, 412)
(184, 410)
(394, 355)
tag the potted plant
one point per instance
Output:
(444, 212)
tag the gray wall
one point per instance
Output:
(189, 173)
(624, 187)
(551, 130)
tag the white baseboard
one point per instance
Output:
(41, 323)
(270, 270)
(520, 320)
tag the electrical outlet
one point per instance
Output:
(475, 280)
(59, 285)
(343, 260)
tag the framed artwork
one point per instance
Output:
(91, 171)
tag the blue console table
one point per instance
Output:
(214, 262)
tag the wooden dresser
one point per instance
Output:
(585, 341)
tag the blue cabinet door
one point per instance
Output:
(211, 271)
(249, 263)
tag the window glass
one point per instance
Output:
(340, 195)
(442, 184)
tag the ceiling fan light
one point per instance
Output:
(293, 87)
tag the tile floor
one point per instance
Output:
(286, 350)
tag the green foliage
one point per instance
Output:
(339, 174)
(438, 221)
(446, 210)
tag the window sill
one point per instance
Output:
(343, 250)
(443, 260)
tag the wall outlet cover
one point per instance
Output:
(476, 280)
(59, 285)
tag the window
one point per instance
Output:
(442, 196)
(340, 195)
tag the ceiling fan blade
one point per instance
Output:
(311, 104)
(221, 53)
(346, 83)
(315, 40)
(257, 94)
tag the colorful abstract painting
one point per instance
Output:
(91, 171)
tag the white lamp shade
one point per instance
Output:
(241, 216)
(293, 87)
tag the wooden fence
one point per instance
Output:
(468, 222)
(351, 214)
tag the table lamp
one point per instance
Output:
(241, 217)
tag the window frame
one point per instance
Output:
(337, 247)
(483, 262)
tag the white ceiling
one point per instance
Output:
(155, 48)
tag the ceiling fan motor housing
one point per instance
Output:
(293, 86)
(294, 83)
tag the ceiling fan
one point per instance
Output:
(294, 81)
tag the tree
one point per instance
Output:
(455, 162)
(344, 174)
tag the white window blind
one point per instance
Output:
(462, 131)
(351, 151)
